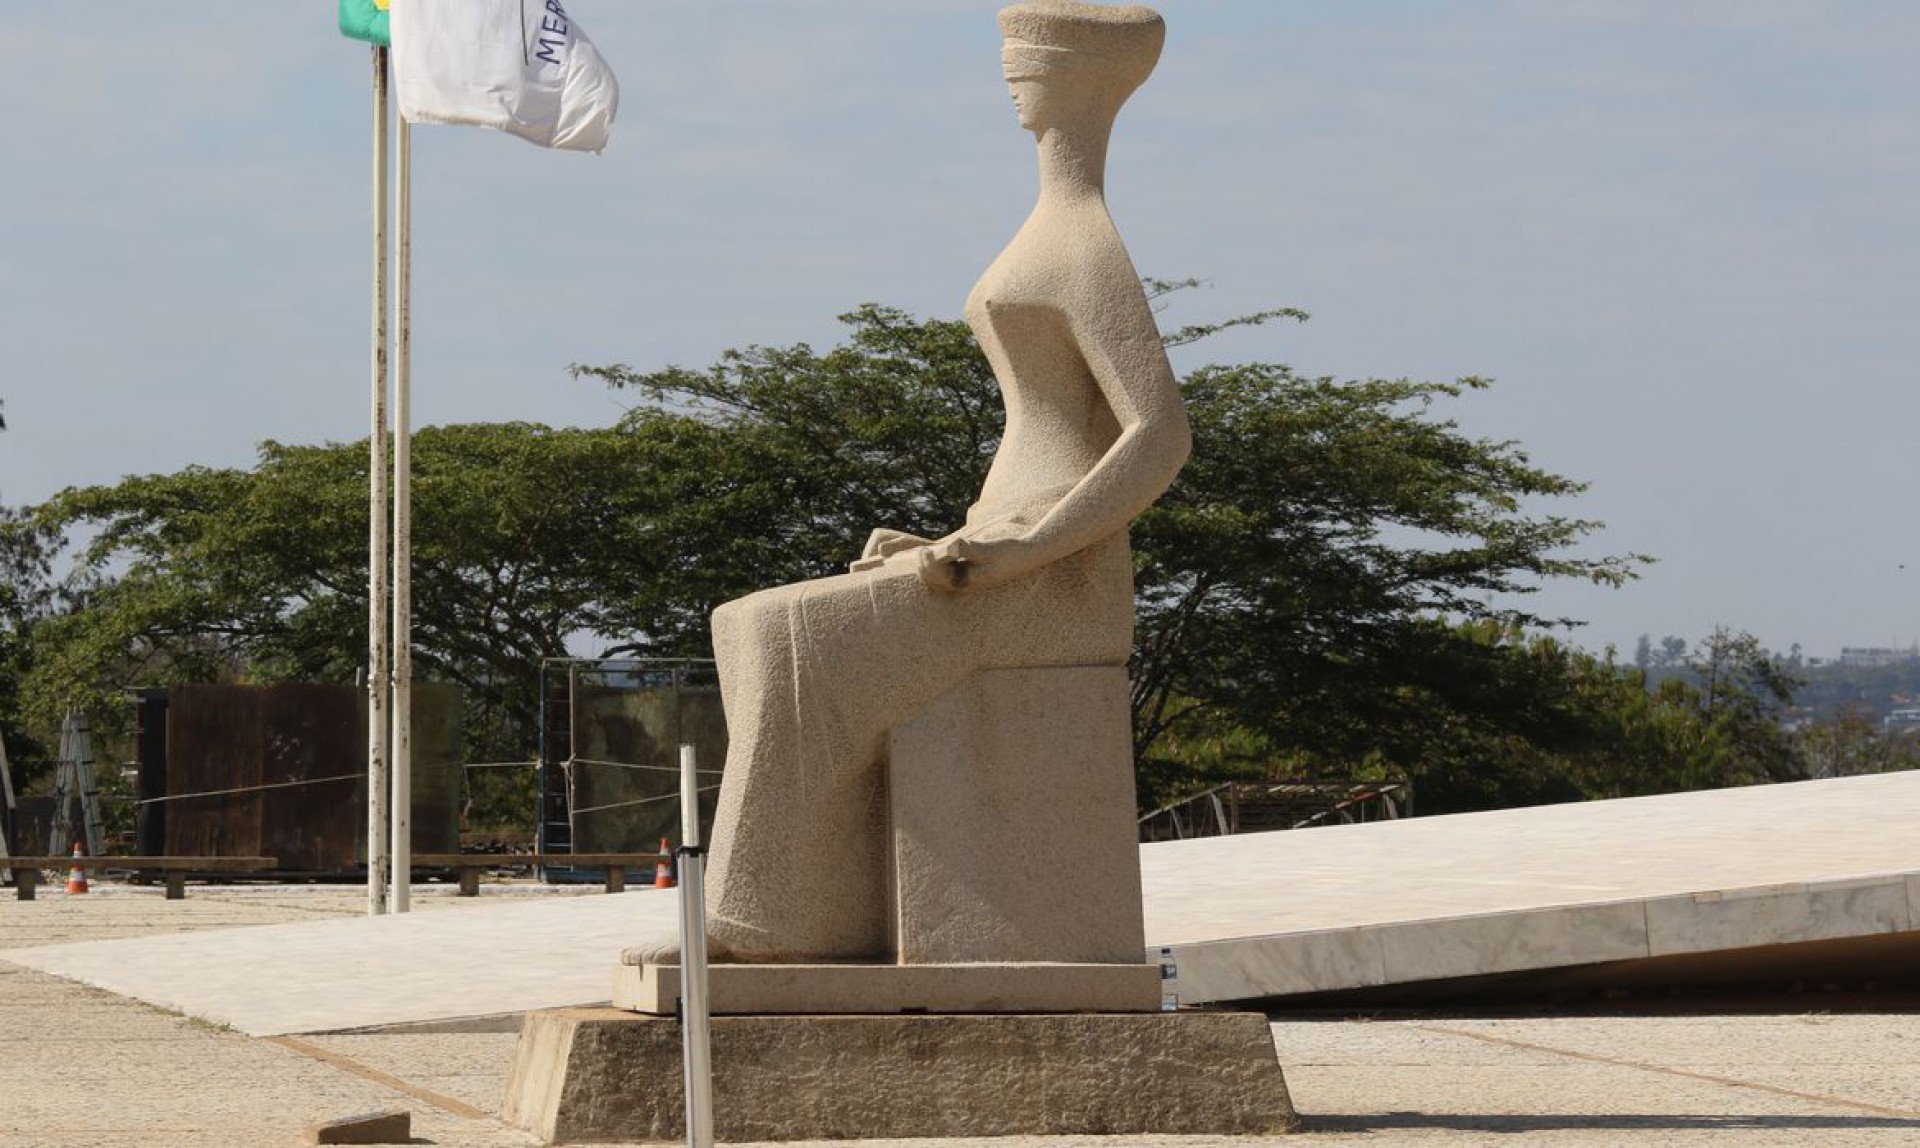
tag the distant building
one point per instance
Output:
(1870, 656)
(1901, 721)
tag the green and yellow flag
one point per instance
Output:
(365, 20)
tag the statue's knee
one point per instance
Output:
(725, 619)
(752, 622)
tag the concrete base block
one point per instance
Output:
(1011, 805)
(759, 990)
(603, 1075)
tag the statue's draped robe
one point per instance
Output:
(815, 675)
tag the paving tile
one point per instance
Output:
(1252, 916)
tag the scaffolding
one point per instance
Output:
(610, 732)
(75, 783)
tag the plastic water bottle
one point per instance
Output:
(1169, 982)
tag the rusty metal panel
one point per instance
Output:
(296, 753)
(32, 823)
(212, 749)
(439, 775)
(312, 749)
(225, 742)
(150, 751)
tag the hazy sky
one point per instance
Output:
(1682, 235)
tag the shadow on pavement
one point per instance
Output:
(1388, 1121)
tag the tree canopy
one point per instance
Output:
(261, 574)
(1300, 590)
(1335, 586)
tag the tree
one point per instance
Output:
(1743, 693)
(1852, 743)
(261, 574)
(1289, 585)
(27, 598)
(1833, 689)
(1673, 651)
(776, 462)
(1714, 718)
(1316, 594)
(1308, 570)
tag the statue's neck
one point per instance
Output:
(1073, 166)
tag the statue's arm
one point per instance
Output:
(1124, 352)
(1121, 346)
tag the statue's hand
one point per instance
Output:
(882, 544)
(961, 564)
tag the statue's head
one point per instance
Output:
(1067, 61)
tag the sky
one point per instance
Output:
(1682, 236)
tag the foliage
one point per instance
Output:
(1834, 689)
(1288, 587)
(775, 463)
(1316, 594)
(1298, 573)
(1829, 713)
(231, 575)
(1743, 693)
(1853, 743)
(1715, 721)
(27, 597)
(1556, 723)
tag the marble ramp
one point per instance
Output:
(1559, 886)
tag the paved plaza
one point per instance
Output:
(1678, 877)
(88, 1069)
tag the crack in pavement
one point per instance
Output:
(1710, 1078)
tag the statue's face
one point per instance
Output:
(1029, 98)
(1027, 83)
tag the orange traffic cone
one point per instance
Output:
(663, 868)
(76, 876)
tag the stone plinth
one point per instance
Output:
(601, 1075)
(815, 989)
(1012, 814)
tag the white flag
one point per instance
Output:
(521, 66)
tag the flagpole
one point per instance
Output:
(377, 638)
(402, 745)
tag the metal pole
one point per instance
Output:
(377, 645)
(697, 1046)
(6, 810)
(403, 528)
(6, 781)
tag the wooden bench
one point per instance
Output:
(471, 865)
(26, 870)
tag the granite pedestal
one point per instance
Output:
(604, 1075)
(874, 989)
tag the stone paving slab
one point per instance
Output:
(96, 1070)
(1250, 917)
(128, 1075)
(452, 957)
(1772, 1080)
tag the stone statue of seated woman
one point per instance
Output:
(818, 677)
